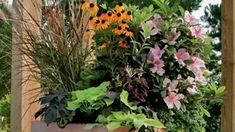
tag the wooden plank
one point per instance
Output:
(22, 82)
(228, 65)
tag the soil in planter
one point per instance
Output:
(82, 118)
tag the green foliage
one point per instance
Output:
(186, 4)
(124, 99)
(5, 113)
(213, 19)
(5, 52)
(54, 109)
(119, 118)
(89, 99)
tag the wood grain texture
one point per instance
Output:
(27, 13)
(228, 65)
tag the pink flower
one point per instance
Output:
(155, 30)
(196, 65)
(2, 16)
(196, 68)
(155, 22)
(190, 19)
(158, 67)
(154, 58)
(171, 37)
(191, 80)
(155, 54)
(166, 81)
(171, 85)
(199, 77)
(173, 99)
(192, 90)
(197, 31)
(181, 56)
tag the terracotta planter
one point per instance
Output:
(39, 126)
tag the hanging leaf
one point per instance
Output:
(124, 99)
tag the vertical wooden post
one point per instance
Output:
(22, 81)
(228, 65)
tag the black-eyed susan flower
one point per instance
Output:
(124, 25)
(110, 17)
(88, 32)
(84, 5)
(93, 8)
(104, 24)
(127, 15)
(123, 44)
(119, 7)
(128, 33)
(118, 30)
(119, 17)
(102, 46)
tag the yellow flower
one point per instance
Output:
(119, 17)
(104, 24)
(93, 8)
(124, 25)
(101, 46)
(85, 5)
(123, 44)
(88, 32)
(110, 17)
(127, 15)
(119, 7)
(118, 30)
(128, 33)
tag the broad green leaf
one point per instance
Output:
(102, 119)
(138, 120)
(124, 99)
(205, 112)
(154, 123)
(146, 30)
(220, 90)
(113, 125)
(90, 126)
(89, 95)
(108, 102)
(188, 62)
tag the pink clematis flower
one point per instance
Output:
(155, 54)
(196, 68)
(171, 85)
(197, 31)
(173, 99)
(158, 67)
(190, 19)
(192, 90)
(199, 77)
(166, 81)
(155, 23)
(155, 30)
(196, 65)
(171, 37)
(181, 56)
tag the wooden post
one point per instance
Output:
(22, 81)
(228, 65)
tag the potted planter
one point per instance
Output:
(141, 78)
(40, 126)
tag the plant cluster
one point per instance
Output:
(144, 68)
